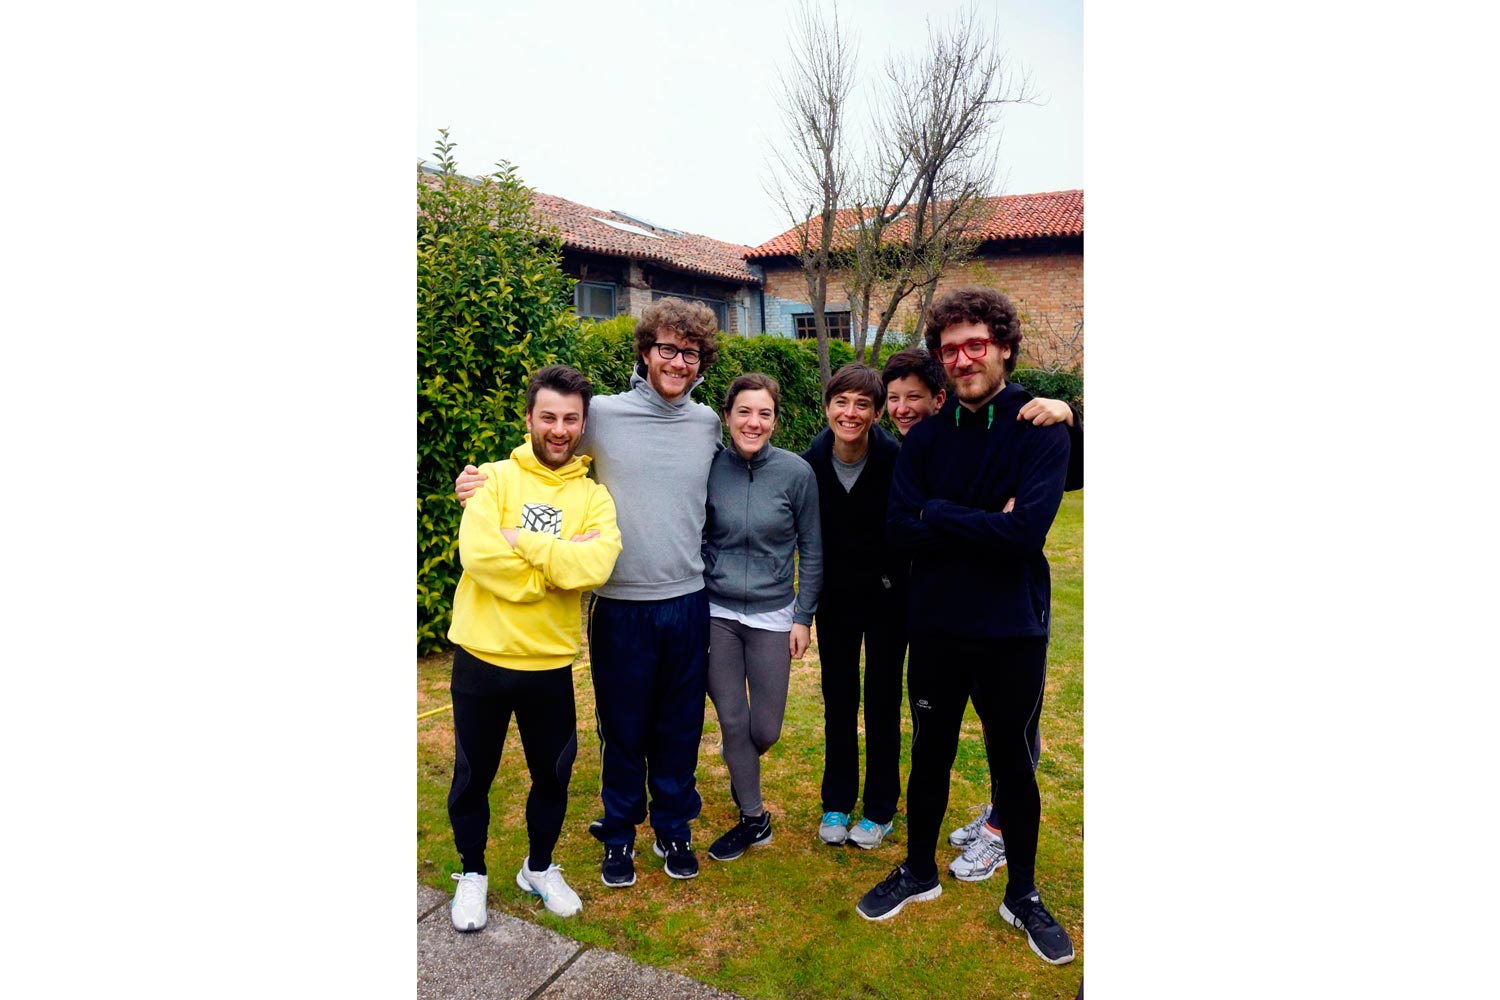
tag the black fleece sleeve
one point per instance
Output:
(904, 530)
(1044, 467)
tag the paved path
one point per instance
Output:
(514, 960)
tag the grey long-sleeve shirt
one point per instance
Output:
(654, 457)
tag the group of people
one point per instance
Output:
(709, 566)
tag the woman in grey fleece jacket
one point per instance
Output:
(762, 510)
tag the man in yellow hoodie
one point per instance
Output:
(532, 539)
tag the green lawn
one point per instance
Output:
(780, 921)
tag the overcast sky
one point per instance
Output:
(665, 109)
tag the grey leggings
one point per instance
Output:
(741, 658)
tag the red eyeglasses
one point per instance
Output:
(975, 349)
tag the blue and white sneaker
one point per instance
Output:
(868, 834)
(555, 893)
(833, 828)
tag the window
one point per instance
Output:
(594, 301)
(721, 310)
(838, 326)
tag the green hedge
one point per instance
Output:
(605, 351)
(1066, 385)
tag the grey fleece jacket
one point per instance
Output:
(654, 458)
(759, 512)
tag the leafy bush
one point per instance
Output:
(1066, 385)
(493, 305)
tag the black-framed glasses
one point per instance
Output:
(975, 349)
(670, 351)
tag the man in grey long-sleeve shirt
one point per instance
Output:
(648, 626)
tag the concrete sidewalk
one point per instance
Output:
(514, 960)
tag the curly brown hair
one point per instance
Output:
(975, 305)
(693, 321)
(754, 380)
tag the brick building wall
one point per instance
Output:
(1044, 278)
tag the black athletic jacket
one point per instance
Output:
(976, 572)
(857, 560)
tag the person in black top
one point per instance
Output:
(863, 599)
(979, 600)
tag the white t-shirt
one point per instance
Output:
(766, 621)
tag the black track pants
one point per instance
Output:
(484, 696)
(842, 624)
(649, 661)
(1006, 679)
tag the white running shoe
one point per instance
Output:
(965, 835)
(468, 911)
(980, 859)
(556, 895)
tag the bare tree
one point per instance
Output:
(922, 196)
(1052, 343)
(808, 177)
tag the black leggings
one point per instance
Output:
(1005, 678)
(484, 696)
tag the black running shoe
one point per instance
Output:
(680, 861)
(745, 834)
(618, 868)
(899, 888)
(1045, 935)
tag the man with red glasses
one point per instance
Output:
(980, 600)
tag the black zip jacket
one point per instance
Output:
(857, 561)
(976, 572)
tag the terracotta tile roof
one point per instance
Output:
(581, 230)
(1008, 217)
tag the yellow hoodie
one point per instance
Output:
(518, 607)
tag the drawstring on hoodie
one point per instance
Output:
(958, 412)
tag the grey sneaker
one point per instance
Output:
(980, 859)
(868, 834)
(833, 828)
(467, 909)
(964, 835)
